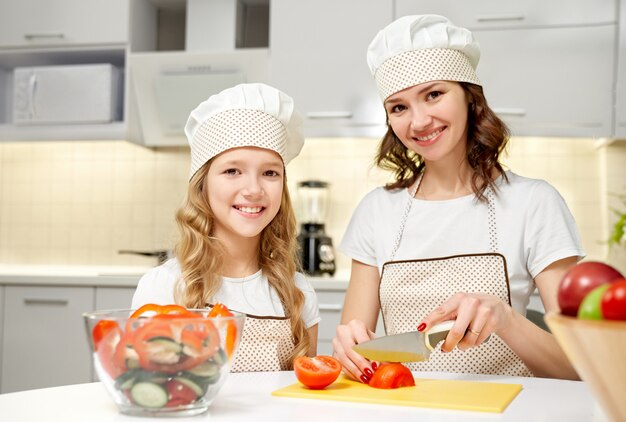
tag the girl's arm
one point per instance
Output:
(313, 339)
(358, 319)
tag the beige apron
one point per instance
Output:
(266, 345)
(409, 290)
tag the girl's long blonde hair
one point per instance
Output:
(200, 255)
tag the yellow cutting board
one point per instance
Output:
(440, 394)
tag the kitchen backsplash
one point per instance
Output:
(64, 203)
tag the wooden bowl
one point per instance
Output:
(596, 350)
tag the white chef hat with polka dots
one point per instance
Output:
(255, 115)
(422, 48)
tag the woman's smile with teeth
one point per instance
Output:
(429, 136)
(249, 210)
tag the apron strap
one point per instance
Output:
(491, 213)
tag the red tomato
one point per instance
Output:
(179, 393)
(614, 301)
(392, 375)
(318, 372)
(101, 329)
(580, 280)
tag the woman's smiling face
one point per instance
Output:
(430, 119)
(245, 188)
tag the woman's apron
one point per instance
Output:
(409, 290)
(266, 345)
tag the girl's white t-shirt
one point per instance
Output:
(251, 295)
(534, 229)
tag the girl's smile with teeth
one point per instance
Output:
(249, 210)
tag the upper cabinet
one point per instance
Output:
(318, 54)
(35, 23)
(547, 68)
(620, 107)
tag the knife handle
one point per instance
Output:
(439, 332)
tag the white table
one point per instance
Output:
(246, 397)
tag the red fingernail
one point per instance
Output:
(368, 372)
(365, 379)
(374, 366)
(421, 326)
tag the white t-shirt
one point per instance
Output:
(534, 229)
(251, 295)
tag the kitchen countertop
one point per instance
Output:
(247, 397)
(113, 276)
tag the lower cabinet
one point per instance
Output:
(331, 304)
(114, 297)
(44, 339)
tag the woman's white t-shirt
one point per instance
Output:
(534, 229)
(251, 295)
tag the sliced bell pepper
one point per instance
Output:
(221, 310)
(161, 310)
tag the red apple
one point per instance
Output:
(580, 280)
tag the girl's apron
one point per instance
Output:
(266, 345)
(409, 290)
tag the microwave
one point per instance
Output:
(68, 94)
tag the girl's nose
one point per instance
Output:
(253, 187)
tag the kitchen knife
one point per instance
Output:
(414, 346)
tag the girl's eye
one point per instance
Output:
(272, 173)
(231, 172)
(397, 108)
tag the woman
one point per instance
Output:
(237, 228)
(454, 237)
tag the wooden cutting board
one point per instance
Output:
(441, 394)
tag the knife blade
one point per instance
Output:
(413, 346)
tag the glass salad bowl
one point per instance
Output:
(154, 362)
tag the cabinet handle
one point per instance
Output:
(53, 302)
(330, 307)
(499, 18)
(329, 115)
(510, 111)
(59, 35)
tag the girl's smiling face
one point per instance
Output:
(244, 186)
(430, 119)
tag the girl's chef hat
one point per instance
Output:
(246, 115)
(422, 48)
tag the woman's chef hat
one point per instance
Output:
(246, 115)
(422, 48)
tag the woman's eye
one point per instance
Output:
(434, 94)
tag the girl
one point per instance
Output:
(237, 227)
(455, 236)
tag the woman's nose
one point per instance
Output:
(420, 119)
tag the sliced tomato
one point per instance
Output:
(221, 310)
(318, 372)
(392, 375)
(101, 329)
(179, 393)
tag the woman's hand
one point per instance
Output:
(354, 365)
(477, 316)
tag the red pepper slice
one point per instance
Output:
(101, 329)
(221, 310)
(106, 349)
(161, 310)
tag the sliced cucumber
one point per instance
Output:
(166, 343)
(126, 380)
(149, 395)
(220, 357)
(197, 388)
(205, 369)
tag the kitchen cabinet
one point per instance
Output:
(318, 54)
(35, 23)
(330, 302)
(114, 297)
(620, 106)
(45, 343)
(534, 75)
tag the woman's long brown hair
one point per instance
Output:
(487, 137)
(200, 256)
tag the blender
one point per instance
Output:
(317, 255)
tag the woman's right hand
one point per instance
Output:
(354, 365)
